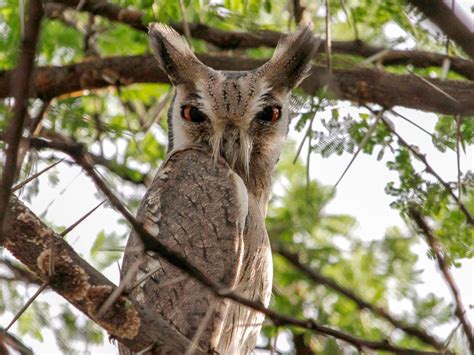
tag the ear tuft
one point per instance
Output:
(173, 54)
(289, 64)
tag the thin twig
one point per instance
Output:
(434, 245)
(375, 57)
(307, 134)
(14, 343)
(64, 233)
(146, 350)
(26, 305)
(308, 163)
(117, 292)
(350, 20)
(20, 93)
(458, 154)
(201, 328)
(80, 220)
(361, 146)
(34, 176)
(154, 113)
(187, 32)
(438, 89)
(403, 117)
(35, 121)
(328, 37)
(20, 273)
(451, 334)
(160, 285)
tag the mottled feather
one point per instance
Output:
(199, 209)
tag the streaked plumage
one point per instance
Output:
(209, 199)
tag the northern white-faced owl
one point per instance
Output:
(209, 199)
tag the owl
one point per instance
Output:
(208, 200)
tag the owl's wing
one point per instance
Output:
(198, 207)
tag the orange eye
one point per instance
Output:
(269, 114)
(192, 114)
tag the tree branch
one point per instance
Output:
(441, 14)
(434, 245)
(28, 239)
(318, 278)
(8, 340)
(22, 77)
(359, 85)
(267, 38)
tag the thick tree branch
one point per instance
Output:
(441, 14)
(358, 85)
(318, 278)
(28, 239)
(266, 38)
(9, 341)
(434, 245)
(19, 91)
(151, 243)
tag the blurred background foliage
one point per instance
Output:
(125, 127)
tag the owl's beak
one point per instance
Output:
(234, 145)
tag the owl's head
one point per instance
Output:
(241, 115)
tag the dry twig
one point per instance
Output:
(434, 245)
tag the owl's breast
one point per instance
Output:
(242, 324)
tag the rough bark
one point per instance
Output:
(442, 15)
(29, 240)
(360, 85)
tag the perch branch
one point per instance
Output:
(434, 245)
(265, 38)
(8, 340)
(360, 85)
(442, 15)
(28, 239)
